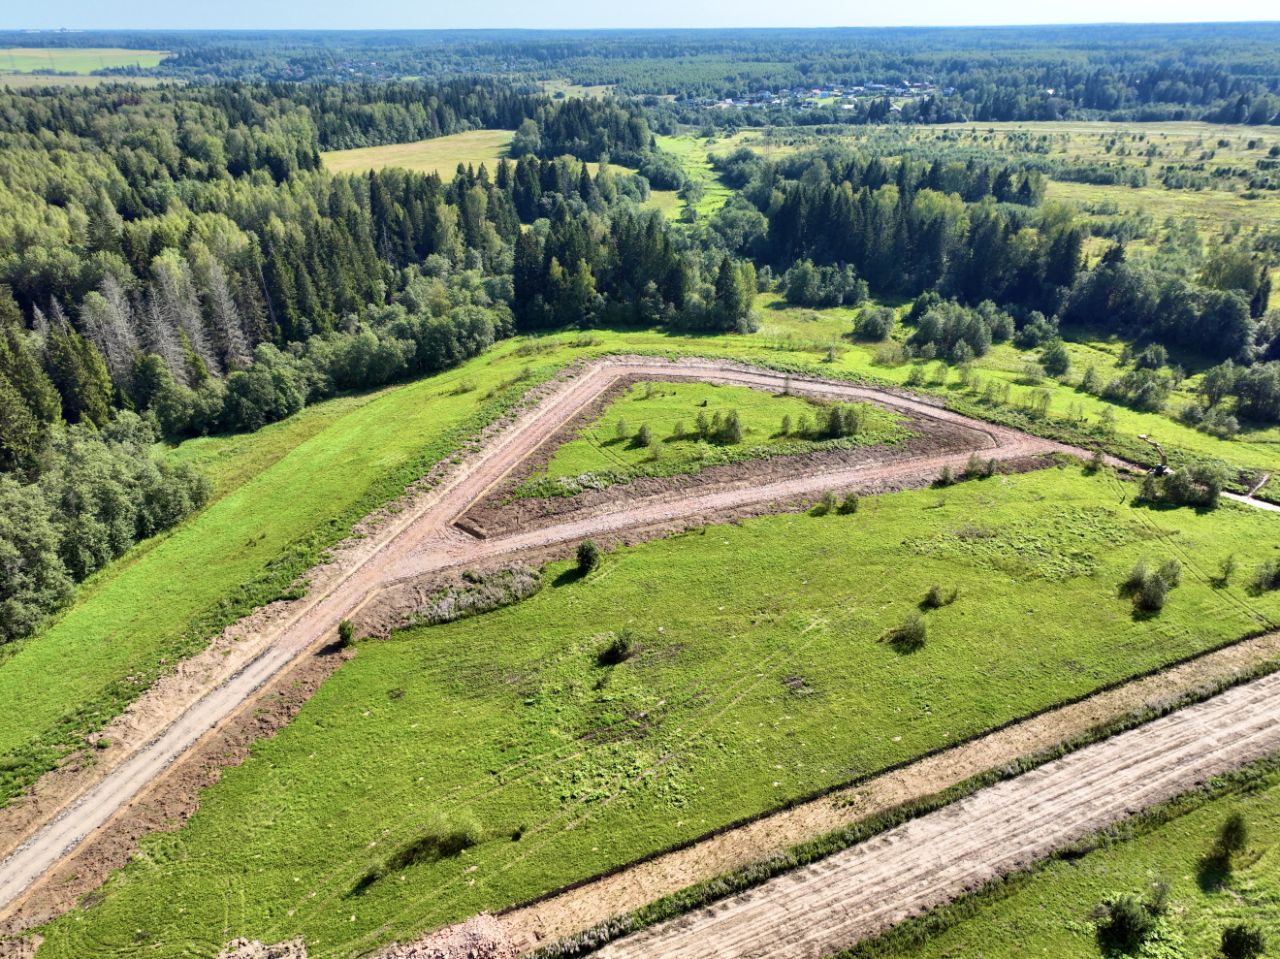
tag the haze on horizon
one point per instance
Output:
(559, 14)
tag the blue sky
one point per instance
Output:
(403, 14)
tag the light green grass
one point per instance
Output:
(1049, 914)
(761, 676)
(281, 496)
(286, 492)
(789, 330)
(607, 450)
(693, 154)
(76, 59)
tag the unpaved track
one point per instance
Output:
(864, 890)
(423, 539)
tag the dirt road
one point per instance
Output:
(829, 906)
(423, 539)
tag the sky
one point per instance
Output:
(571, 14)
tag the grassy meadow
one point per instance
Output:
(282, 495)
(1051, 912)
(439, 155)
(314, 475)
(752, 681)
(82, 60)
(608, 449)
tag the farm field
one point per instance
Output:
(608, 450)
(726, 707)
(82, 60)
(1051, 911)
(439, 155)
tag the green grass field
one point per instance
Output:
(760, 674)
(606, 451)
(814, 332)
(75, 59)
(317, 473)
(1049, 914)
(281, 496)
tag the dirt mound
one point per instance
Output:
(480, 937)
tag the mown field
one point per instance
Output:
(753, 680)
(440, 155)
(609, 449)
(1051, 913)
(76, 59)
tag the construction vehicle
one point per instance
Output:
(1162, 469)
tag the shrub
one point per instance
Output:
(621, 648)
(945, 477)
(874, 323)
(937, 597)
(1149, 588)
(1226, 569)
(1055, 360)
(588, 557)
(1233, 836)
(644, 435)
(909, 636)
(1267, 577)
(1128, 923)
(827, 504)
(975, 468)
(849, 504)
(1171, 572)
(621, 429)
(1243, 941)
(346, 633)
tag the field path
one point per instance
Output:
(423, 539)
(866, 889)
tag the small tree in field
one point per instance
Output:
(621, 429)
(1233, 836)
(849, 504)
(644, 435)
(588, 557)
(1243, 941)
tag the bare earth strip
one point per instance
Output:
(421, 539)
(864, 890)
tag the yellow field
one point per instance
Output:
(441, 155)
(75, 60)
